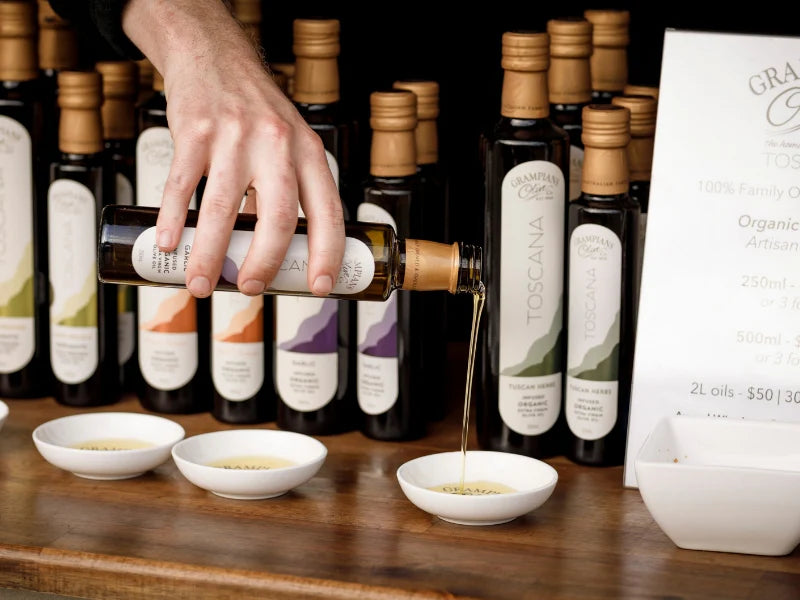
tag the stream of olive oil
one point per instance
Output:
(478, 300)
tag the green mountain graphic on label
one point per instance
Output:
(601, 363)
(81, 309)
(16, 294)
(544, 355)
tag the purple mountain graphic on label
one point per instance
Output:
(317, 333)
(381, 338)
(230, 272)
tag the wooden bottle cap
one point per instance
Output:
(526, 51)
(609, 27)
(393, 118)
(393, 110)
(570, 37)
(643, 113)
(79, 89)
(640, 90)
(80, 126)
(120, 83)
(606, 126)
(316, 38)
(18, 42)
(427, 93)
(158, 81)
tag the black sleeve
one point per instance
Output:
(105, 18)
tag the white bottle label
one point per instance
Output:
(377, 365)
(306, 359)
(358, 264)
(124, 190)
(154, 151)
(126, 321)
(595, 294)
(237, 344)
(17, 305)
(531, 298)
(72, 251)
(575, 171)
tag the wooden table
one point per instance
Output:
(348, 533)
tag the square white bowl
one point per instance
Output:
(727, 485)
(3, 413)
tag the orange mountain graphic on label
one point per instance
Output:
(176, 314)
(247, 325)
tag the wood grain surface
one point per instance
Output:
(347, 533)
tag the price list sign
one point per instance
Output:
(718, 330)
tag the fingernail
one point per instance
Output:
(253, 287)
(164, 239)
(199, 286)
(322, 285)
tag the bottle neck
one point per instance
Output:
(431, 266)
(605, 171)
(525, 95)
(569, 80)
(18, 59)
(80, 131)
(640, 157)
(393, 154)
(118, 116)
(316, 80)
(58, 49)
(609, 68)
(427, 142)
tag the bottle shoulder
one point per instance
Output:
(526, 132)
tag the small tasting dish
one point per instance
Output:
(249, 464)
(107, 445)
(727, 485)
(531, 483)
(3, 413)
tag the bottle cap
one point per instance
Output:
(640, 90)
(158, 81)
(643, 113)
(610, 27)
(18, 42)
(120, 82)
(570, 37)
(427, 93)
(393, 118)
(247, 12)
(145, 74)
(119, 78)
(58, 43)
(316, 38)
(393, 110)
(605, 126)
(79, 96)
(526, 51)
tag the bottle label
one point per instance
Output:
(306, 358)
(237, 344)
(575, 171)
(72, 239)
(531, 298)
(17, 304)
(595, 294)
(377, 364)
(154, 151)
(124, 190)
(126, 318)
(358, 264)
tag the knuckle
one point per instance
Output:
(220, 208)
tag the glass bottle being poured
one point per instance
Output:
(375, 261)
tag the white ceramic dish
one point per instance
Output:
(3, 413)
(56, 440)
(532, 480)
(723, 484)
(237, 447)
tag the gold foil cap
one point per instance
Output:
(158, 81)
(640, 90)
(427, 93)
(393, 110)
(80, 128)
(316, 38)
(119, 78)
(570, 37)
(643, 111)
(526, 51)
(79, 89)
(606, 126)
(18, 42)
(610, 27)
(120, 83)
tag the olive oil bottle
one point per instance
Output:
(24, 317)
(603, 263)
(609, 62)
(83, 311)
(526, 164)
(172, 354)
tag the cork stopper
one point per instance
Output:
(569, 79)
(158, 81)
(393, 118)
(316, 38)
(606, 133)
(610, 40)
(120, 84)
(316, 47)
(18, 42)
(526, 58)
(58, 42)
(80, 126)
(643, 111)
(426, 133)
(640, 90)
(526, 51)
(610, 27)
(606, 126)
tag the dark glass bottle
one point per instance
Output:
(173, 355)
(603, 263)
(569, 82)
(24, 320)
(433, 207)
(83, 310)
(609, 62)
(119, 135)
(314, 357)
(391, 388)
(523, 340)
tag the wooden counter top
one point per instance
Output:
(347, 533)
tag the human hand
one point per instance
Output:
(230, 122)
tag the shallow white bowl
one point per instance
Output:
(723, 484)
(54, 440)
(3, 413)
(532, 479)
(194, 454)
